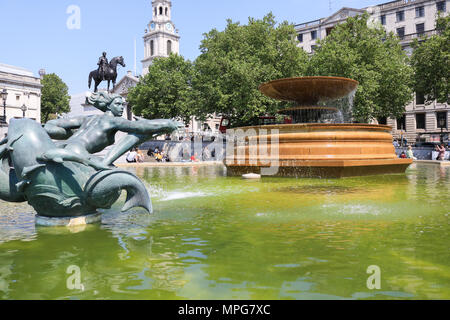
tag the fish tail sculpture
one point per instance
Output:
(108, 182)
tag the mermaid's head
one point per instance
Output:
(105, 101)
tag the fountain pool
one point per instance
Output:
(218, 237)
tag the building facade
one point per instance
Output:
(161, 38)
(24, 95)
(409, 19)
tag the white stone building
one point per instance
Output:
(24, 95)
(161, 38)
(409, 19)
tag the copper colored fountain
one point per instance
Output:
(305, 149)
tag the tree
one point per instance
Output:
(166, 91)
(430, 61)
(54, 97)
(234, 62)
(367, 54)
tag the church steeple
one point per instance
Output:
(162, 9)
(161, 38)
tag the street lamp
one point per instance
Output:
(24, 109)
(4, 94)
(441, 124)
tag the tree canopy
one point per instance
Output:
(234, 62)
(55, 98)
(166, 91)
(364, 52)
(431, 63)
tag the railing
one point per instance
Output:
(308, 24)
(412, 36)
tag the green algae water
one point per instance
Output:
(215, 237)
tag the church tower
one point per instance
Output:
(161, 38)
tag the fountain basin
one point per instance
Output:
(318, 150)
(308, 90)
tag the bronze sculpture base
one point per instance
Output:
(68, 221)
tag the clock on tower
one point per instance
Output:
(162, 39)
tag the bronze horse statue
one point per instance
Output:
(110, 74)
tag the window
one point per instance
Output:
(440, 6)
(152, 48)
(383, 19)
(441, 118)
(156, 11)
(400, 16)
(420, 98)
(328, 30)
(167, 11)
(401, 123)
(420, 28)
(300, 37)
(420, 121)
(401, 32)
(314, 35)
(420, 12)
(160, 11)
(169, 47)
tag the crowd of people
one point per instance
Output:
(158, 155)
(409, 154)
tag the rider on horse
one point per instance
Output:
(102, 65)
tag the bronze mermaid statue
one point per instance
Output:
(55, 168)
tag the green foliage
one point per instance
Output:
(234, 62)
(55, 98)
(367, 54)
(166, 91)
(431, 63)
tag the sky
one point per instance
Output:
(34, 34)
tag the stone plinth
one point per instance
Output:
(69, 221)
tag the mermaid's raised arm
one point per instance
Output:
(139, 132)
(146, 127)
(61, 129)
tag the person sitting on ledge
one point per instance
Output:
(410, 153)
(131, 157)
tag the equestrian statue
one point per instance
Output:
(107, 71)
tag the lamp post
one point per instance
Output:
(24, 109)
(4, 95)
(441, 124)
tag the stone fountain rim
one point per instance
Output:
(309, 78)
(321, 126)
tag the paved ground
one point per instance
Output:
(435, 162)
(168, 164)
